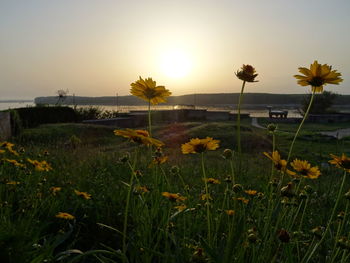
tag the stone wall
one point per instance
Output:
(5, 125)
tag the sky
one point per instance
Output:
(99, 47)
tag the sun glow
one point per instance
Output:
(175, 64)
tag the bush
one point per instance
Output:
(321, 104)
(33, 116)
(93, 112)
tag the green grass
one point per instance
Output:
(156, 231)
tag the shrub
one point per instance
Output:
(34, 116)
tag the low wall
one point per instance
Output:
(5, 125)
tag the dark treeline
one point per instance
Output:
(192, 99)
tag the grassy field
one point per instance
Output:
(121, 213)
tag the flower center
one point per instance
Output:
(199, 148)
(345, 164)
(316, 81)
(304, 171)
(150, 93)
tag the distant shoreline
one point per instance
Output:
(16, 101)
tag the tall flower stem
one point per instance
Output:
(207, 199)
(301, 124)
(239, 128)
(125, 226)
(149, 119)
(329, 221)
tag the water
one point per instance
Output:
(14, 105)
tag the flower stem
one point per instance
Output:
(149, 119)
(329, 221)
(127, 207)
(301, 124)
(207, 199)
(239, 128)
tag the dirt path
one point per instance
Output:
(338, 134)
(256, 124)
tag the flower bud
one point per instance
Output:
(227, 154)
(271, 127)
(237, 188)
(124, 158)
(283, 235)
(175, 169)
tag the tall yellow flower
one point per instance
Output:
(305, 169)
(147, 90)
(139, 136)
(342, 162)
(200, 145)
(317, 76)
(280, 164)
(247, 73)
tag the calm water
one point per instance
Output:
(123, 108)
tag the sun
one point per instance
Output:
(175, 63)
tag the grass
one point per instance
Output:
(90, 159)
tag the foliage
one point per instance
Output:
(94, 113)
(321, 104)
(34, 116)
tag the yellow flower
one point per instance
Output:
(199, 145)
(147, 90)
(317, 76)
(243, 200)
(2, 151)
(230, 212)
(342, 162)
(204, 197)
(304, 168)
(212, 181)
(174, 197)
(9, 146)
(159, 160)
(180, 208)
(13, 183)
(247, 73)
(138, 136)
(85, 195)
(140, 189)
(280, 164)
(55, 190)
(15, 163)
(251, 192)
(65, 216)
(42, 166)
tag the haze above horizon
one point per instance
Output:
(97, 48)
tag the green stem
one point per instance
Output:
(207, 199)
(329, 222)
(232, 171)
(303, 214)
(127, 208)
(239, 128)
(301, 124)
(272, 162)
(340, 228)
(149, 119)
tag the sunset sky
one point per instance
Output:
(98, 47)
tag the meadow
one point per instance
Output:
(180, 192)
(91, 159)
